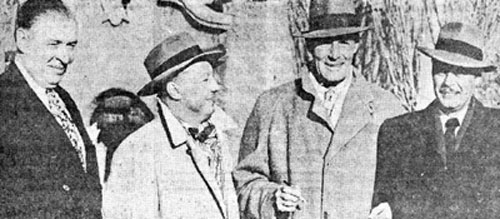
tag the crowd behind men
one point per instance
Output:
(326, 145)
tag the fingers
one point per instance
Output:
(382, 211)
(288, 199)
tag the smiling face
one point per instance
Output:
(197, 87)
(333, 57)
(48, 47)
(453, 85)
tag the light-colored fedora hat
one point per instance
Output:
(172, 56)
(331, 18)
(461, 45)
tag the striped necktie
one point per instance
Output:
(61, 114)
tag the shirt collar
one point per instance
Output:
(460, 115)
(339, 89)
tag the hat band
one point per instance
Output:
(330, 21)
(177, 59)
(460, 47)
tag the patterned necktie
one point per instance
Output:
(330, 98)
(450, 139)
(61, 114)
(208, 140)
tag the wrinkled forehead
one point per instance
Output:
(56, 26)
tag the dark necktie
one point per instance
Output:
(450, 139)
(204, 134)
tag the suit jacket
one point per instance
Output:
(155, 174)
(416, 180)
(288, 139)
(40, 171)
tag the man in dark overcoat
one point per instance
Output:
(48, 165)
(308, 148)
(443, 161)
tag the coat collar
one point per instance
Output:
(431, 126)
(357, 111)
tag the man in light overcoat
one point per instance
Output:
(177, 165)
(309, 147)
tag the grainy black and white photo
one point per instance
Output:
(251, 109)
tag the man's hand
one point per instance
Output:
(382, 211)
(288, 198)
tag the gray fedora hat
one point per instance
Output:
(331, 18)
(172, 56)
(460, 45)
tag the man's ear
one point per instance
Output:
(355, 47)
(22, 38)
(173, 90)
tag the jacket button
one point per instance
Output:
(66, 187)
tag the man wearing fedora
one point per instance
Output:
(177, 165)
(309, 147)
(443, 161)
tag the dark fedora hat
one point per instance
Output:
(331, 18)
(172, 56)
(460, 45)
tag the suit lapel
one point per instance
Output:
(29, 101)
(356, 113)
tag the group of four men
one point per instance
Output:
(321, 146)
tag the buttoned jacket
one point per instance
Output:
(419, 179)
(40, 172)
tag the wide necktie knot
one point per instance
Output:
(452, 123)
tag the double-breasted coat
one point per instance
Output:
(40, 173)
(155, 173)
(417, 181)
(289, 139)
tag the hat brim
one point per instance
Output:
(151, 87)
(456, 59)
(333, 32)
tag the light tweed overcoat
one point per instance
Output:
(154, 177)
(289, 139)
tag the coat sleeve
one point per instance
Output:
(252, 175)
(387, 168)
(131, 190)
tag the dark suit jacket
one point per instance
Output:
(40, 172)
(413, 176)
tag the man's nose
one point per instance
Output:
(214, 85)
(450, 78)
(65, 54)
(334, 50)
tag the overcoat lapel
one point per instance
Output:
(200, 162)
(356, 114)
(207, 173)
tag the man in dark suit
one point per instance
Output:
(48, 166)
(443, 161)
